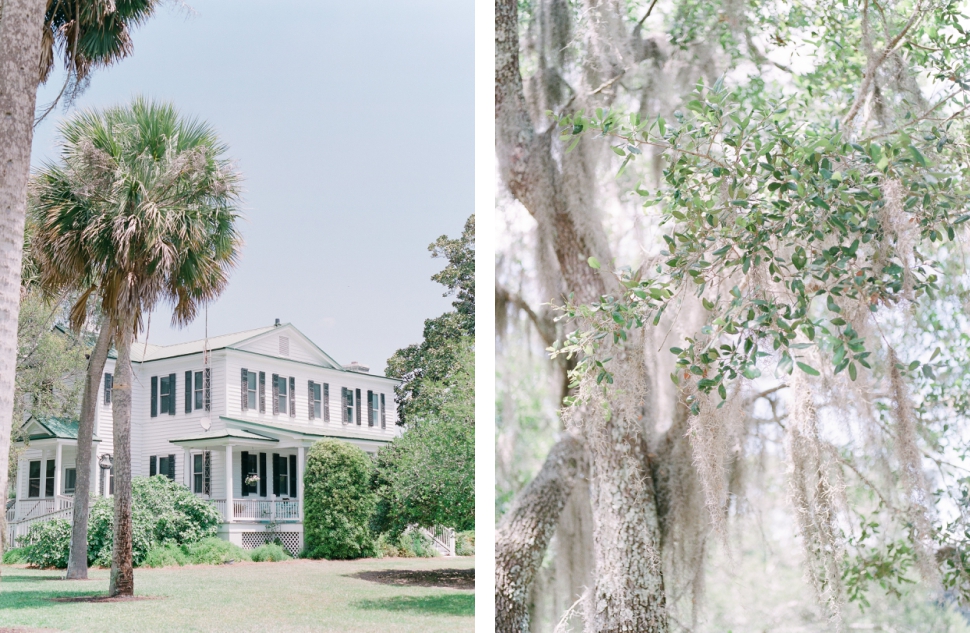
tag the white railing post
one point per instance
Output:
(229, 504)
(299, 482)
(58, 453)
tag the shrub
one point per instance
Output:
(47, 544)
(415, 544)
(338, 501)
(385, 547)
(165, 556)
(269, 553)
(14, 556)
(163, 512)
(214, 551)
(465, 543)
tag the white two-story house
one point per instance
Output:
(231, 417)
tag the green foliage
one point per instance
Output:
(465, 543)
(433, 359)
(269, 553)
(170, 555)
(213, 551)
(338, 501)
(426, 476)
(409, 544)
(755, 188)
(886, 564)
(46, 544)
(14, 556)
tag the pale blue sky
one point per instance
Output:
(352, 124)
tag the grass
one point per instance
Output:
(295, 595)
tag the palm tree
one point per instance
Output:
(141, 209)
(88, 35)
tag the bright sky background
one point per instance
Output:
(352, 124)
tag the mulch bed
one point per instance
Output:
(449, 578)
(102, 599)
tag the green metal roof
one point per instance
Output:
(56, 428)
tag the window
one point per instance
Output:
(316, 405)
(70, 480)
(373, 408)
(49, 479)
(109, 383)
(33, 479)
(284, 475)
(251, 388)
(248, 466)
(162, 465)
(199, 403)
(166, 395)
(347, 398)
(281, 393)
(201, 473)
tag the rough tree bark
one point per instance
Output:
(122, 581)
(77, 564)
(21, 27)
(628, 594)
(523, 536)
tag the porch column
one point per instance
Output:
(95, 472)
(187, 470)
(229, 512)
(58, 453)
(299, 478)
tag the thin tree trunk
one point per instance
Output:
(523, 536)
(77, 564)
(122, 575)
(21, 27)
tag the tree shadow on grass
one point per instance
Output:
(41, 599)
(462, 604)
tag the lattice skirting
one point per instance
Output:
(291, 540)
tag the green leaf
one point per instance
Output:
(832, 305)
(808, 369)
(594, 263)
(852, 371)
(799, 258)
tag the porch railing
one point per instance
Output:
(25, 509)
(260, 510)
(18, 529)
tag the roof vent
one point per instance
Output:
(355, 366)
(277, 324)
(284, 346)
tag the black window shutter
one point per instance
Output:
(309, 399)
(154, 396)
(262, 474)
(383, 419)
(276, 394)
(326, 402)
(171, 394)
(244, 391)
(108, 384)
(370, 408)
(188, 391)
(171, 467)
(244, 472)
(358, 407)
(292, 397)
(276, 474)
(262, 392)
(292, 476)
(152, 466)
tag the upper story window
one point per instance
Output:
(347, 405)
(163, 395)
(280, 394)
(373, 408)
(109, 383)
(315, 400)
(198, 391)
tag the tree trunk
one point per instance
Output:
(122, 575)
(628, 594)
(21, 28)
(522, 537)
(77, 564)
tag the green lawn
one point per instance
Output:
(298, 595)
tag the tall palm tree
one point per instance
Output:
(141, 209)
(87, 34)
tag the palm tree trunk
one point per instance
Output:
(21, 27)
(77, 564)
(122, 575)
